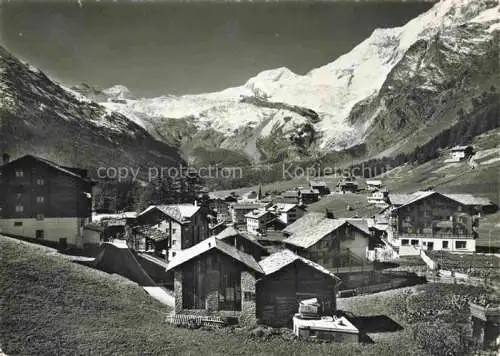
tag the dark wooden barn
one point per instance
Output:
(289, 279)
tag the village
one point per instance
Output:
(261, 258)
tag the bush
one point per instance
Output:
(446, 339)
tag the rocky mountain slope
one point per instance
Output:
(39, 116)
(398, 82)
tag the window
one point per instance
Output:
(19, 196)
(414, 242)
(19, 208)
(40, 181)
(40, 199)
(427, 213)
(249, 297)
(173, 242)
(18, 223)
(445, 244)
(19, 173)
(404, 242)
(40, 216)
(460, 244)
(39, 234)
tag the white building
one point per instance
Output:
(460, 153)
(287, 213)
(258, 220)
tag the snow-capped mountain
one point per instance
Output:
(343, 103)
(40, 117)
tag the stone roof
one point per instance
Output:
(308, 236)
(231, 231)
(305, 222)
(281, 259)
(464, 199)
(177, 212)
(211, 243)
(257, 214)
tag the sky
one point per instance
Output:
(174, 47)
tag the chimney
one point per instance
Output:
(6, 158)
(328, 214)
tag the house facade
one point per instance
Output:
(289, 279)
(378, 197)
(215, 279)
(291, 197)
(287, 213)
(309, 196)
(239, 210)
(332, 243)
(221, 206)
(258, 220)
(42, 200)
(460, 153)
(434, 221)
(320, 186)
(184, 224)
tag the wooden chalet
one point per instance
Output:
(239, 210)
(320, 186)
(243, 242)
(214, 278)
(42, 200)
(258, 220)
(220, 204)
(330, 242)
(308, 196)
(289, 279)
(291, 197)
(428, 220)
(185, 224)
(287, 213)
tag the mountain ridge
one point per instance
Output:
(341, 104)
(37, 115)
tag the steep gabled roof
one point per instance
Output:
(309, 191)
(231, 232)
(305, 222)
(177, 212)
(284, 207)
(317, 183)
(209, 244)
(258, 214)
(291, 194)
(246, 206)
(281, 259)
(73, 172)
(464, 199)
(307, 237)
(469, 199)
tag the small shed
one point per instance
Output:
(289, 279)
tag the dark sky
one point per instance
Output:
(158, 48)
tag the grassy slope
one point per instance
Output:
(51, 306)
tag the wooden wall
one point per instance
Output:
(279, 294)
(64, 195)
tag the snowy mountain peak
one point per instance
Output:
(331, 93)
(118, 92)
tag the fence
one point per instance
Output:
(387, 286)
(196, 320)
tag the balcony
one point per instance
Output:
(435, 235)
